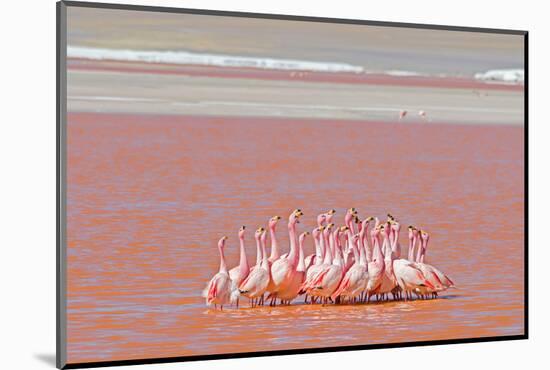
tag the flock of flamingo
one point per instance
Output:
(350, 265)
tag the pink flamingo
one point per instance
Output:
(409, 277)
(283, 269)
(402, 114)
(325, 282)
(312, 271)
(239, 273)
(330, 215)
(321, 219)
(355, 280)
(349, 217)
(377, 267)
(272, 224)
(439, 277)
(318, 255)
(289, 294)
(255, 285)
(388, 282)
(218, 290)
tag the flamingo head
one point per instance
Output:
(424, 236)
(241, 232)
(365, 222)
(349, 216)
(321, 219)
(396, 226)
(329, 215)
(411, 232)
(317, 232)
(294, 217)
(264, 236)
(390, 217)
(258, 234)
(303, 237)
(273, 221)
(328, 229)
(221, 242)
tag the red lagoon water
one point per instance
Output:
(149, 196)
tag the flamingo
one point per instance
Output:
(330, 215)
(439, 279)
(255, 285)
(291, 292)
(312, 271)
(409, 277)
(355, 281)
(283, 270)
(388, 281)
(218, 290)
(321, 219)
(349, 217)
(239, 273)
(318, 255)
(325, 282)
(272, 224)
(377, 267)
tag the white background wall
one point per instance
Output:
(27, 196)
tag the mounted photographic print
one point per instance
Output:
(238, 184)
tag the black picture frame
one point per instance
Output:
(61, 145)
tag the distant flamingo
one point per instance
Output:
(240, 272)
(218, 290)
(254, 286)
(402, 114)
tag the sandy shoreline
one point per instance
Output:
(202, 92)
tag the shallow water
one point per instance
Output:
(149, 196)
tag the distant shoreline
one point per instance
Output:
(390, 78)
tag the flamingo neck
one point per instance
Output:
(386, 248)
(332, 244)
(264, 254)
(274, 245)
(243, 262)
(322, 249)
(301, 263)
(223, 266)
(419, 252)
(424, 247)
(365, 241)
(292, 255)
(318, 252)
(378, 256)
(258, 251)
(411, 249)
(396, 247)
(328, 253)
